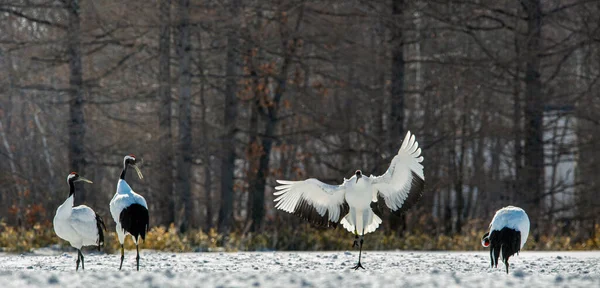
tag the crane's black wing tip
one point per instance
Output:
(506, 241)
(135, 220)
(101, 228)
(307, 212)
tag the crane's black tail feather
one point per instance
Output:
(506, 241)
(135, 220)
(101, 228)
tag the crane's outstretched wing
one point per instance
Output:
(319, 203)
(401, 186)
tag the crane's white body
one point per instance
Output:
(514, 218)
(328, 201)
(124, 197)
(360, 219)
(78, 225)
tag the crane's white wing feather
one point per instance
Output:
(124, 197)
(401, 186)
(83, 221)
(319, 203)
(514, 218)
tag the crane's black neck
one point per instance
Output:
(124, 171)
(71, 187)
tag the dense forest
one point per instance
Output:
(222, 97)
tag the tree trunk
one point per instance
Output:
(165, 138)
(206, 151)
(459, 180)
(207, 163)
(253, 149)
(76, 121)
(478, 160)
(253, 152)
(518, 147)
(379, 58)
(534, 146)
(397, 96)
(229, 120)
(184, 162)
(258, 187)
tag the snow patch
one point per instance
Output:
(302, 269)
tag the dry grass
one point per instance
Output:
(300, 238)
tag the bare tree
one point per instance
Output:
(289, 44)
(185, 153)
(397, 114)
(77, 125)
(534, 107)
(165, 139)
(229, 120)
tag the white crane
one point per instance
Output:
(508, 233)
(130, 211)
(400, 187)
(80, 225)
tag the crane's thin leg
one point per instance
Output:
(122, 256)
(77, 262)
(506, 262)
(360, 252)
(82, 262)
(137, 258)
(355, 240)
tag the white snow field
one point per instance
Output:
(46, 268)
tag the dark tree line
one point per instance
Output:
(220, 98)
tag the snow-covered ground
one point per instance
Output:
(46, 268)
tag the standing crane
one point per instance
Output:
(130, 211)
(507, 236)
(80, 225)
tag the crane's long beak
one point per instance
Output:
(84, 180)
(138, 171)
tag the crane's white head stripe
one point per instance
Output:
(128, 157)
(71, 176)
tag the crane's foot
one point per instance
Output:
(358, 266)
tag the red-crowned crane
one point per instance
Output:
(80, 225)
(130, 211)
(354, 202)
(508, 233)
